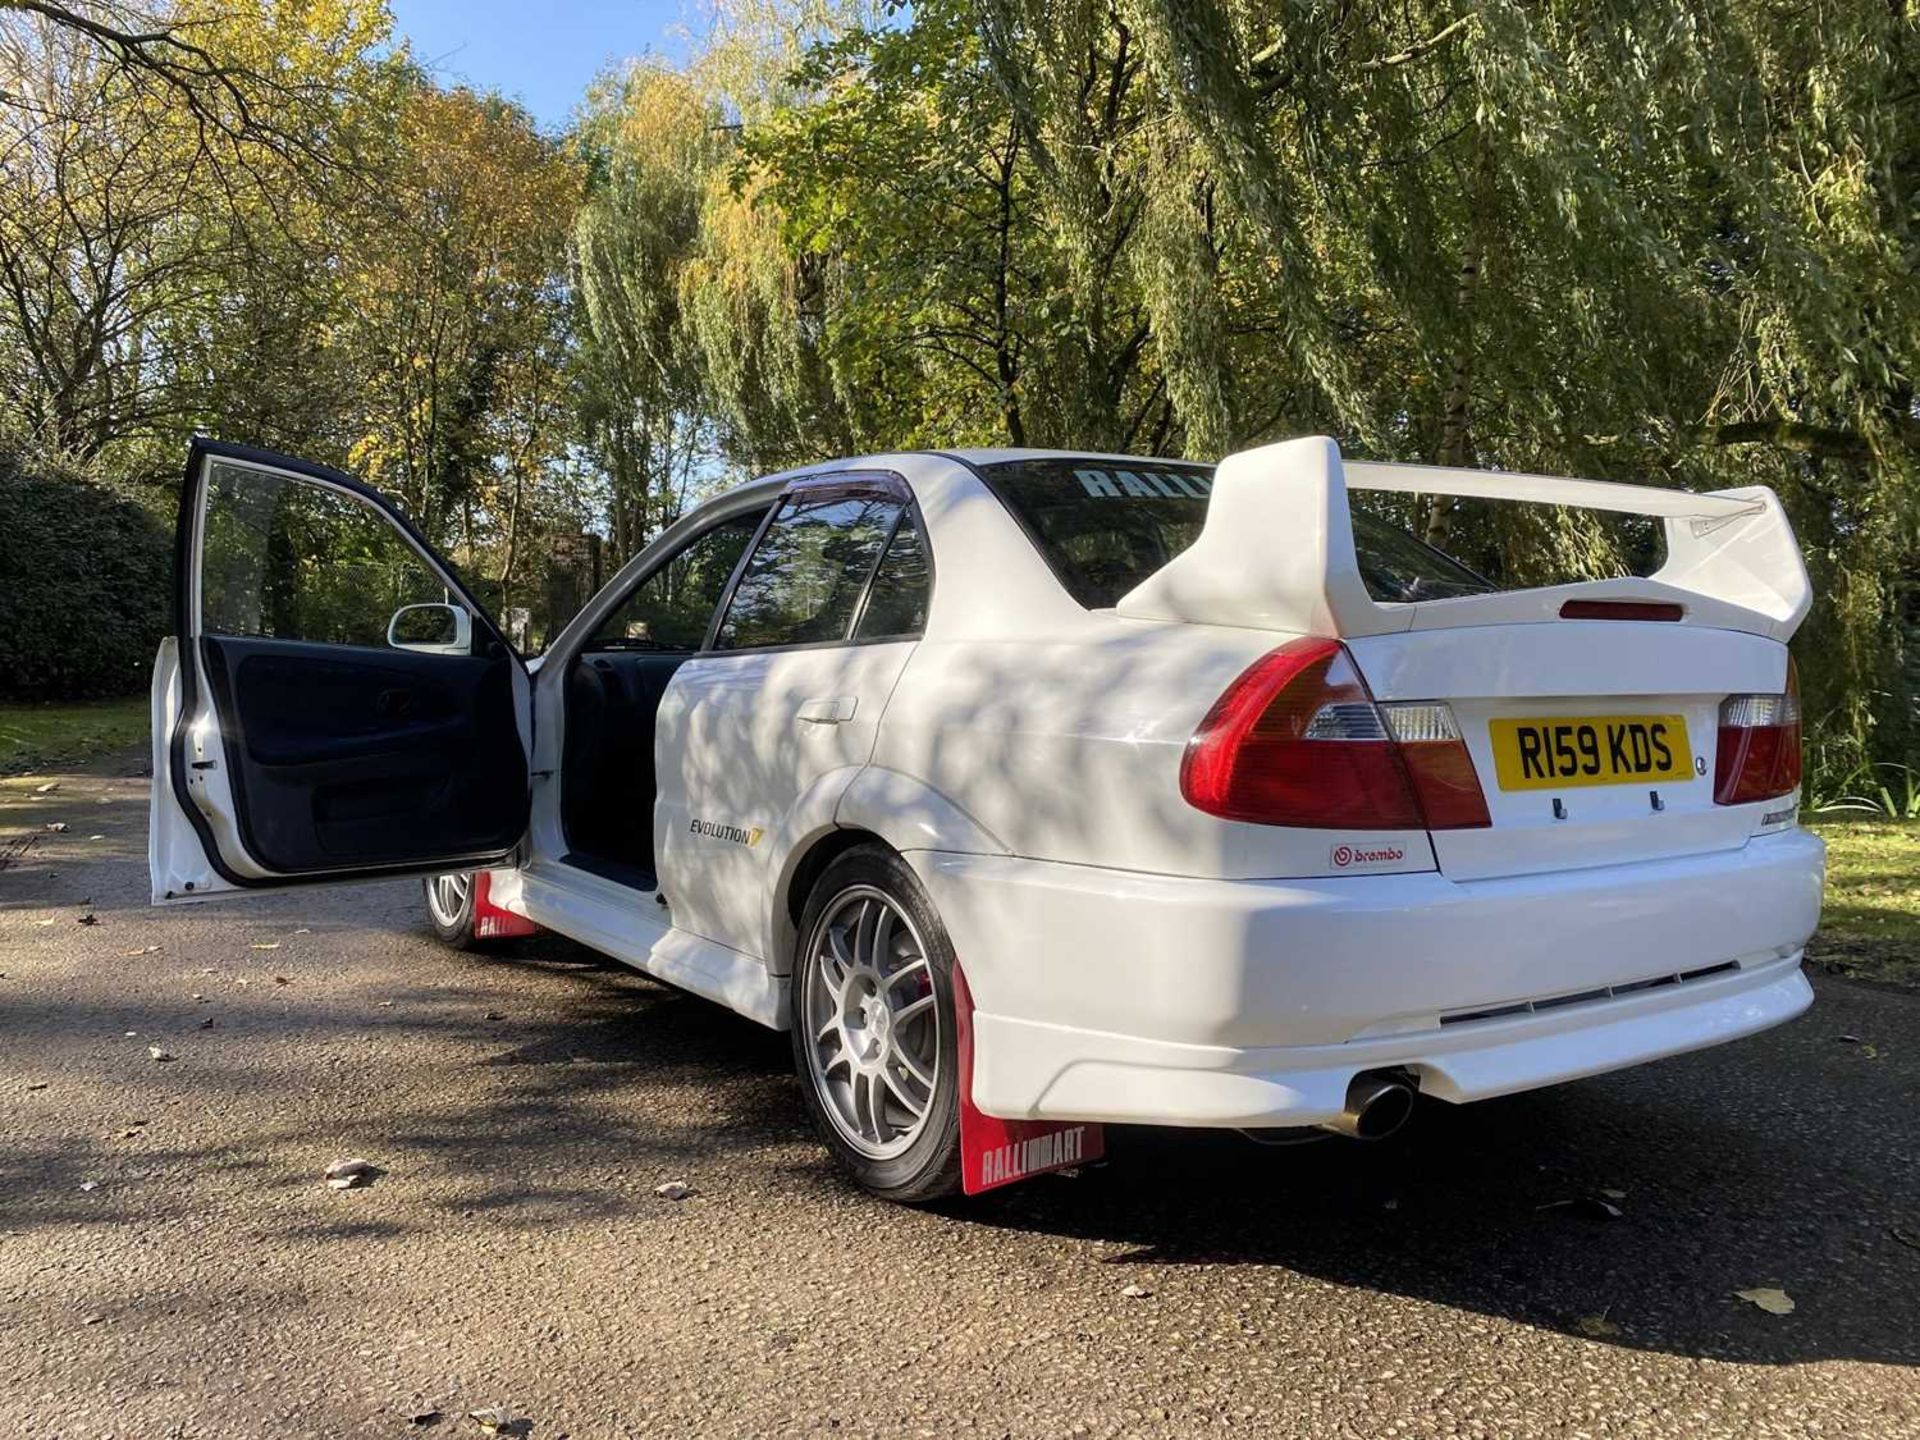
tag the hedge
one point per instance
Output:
(85, 588)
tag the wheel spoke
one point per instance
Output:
(913, 1010)
(911, 1064)
(914, 966)
(916, 1104)
(866, 1106)
(835, 963)
(882, 934)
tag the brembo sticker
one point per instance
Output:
(1345, 857)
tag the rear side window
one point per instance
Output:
(804, 580)
(1104, 528)
(897, 605)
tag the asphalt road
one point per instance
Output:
(171, 1264)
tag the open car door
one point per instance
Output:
(333, 704)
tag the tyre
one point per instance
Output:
(873, 1028)
(450, 909)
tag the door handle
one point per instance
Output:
(828, 709)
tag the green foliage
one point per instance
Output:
(40, 736)
(88, 590)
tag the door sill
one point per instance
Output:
(633, 877)
(631, 927)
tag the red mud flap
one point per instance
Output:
(996, 1152)
(490, 922)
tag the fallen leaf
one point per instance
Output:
(1136, 1292)
(94, 1320)
(36, 1084)
(351, 1174)
(1848, 1039)
(55, 827)
(1614, 1194)
(1599, 1327)
(493, 1015)
(87, 919)
(424, 1418)
(143, 950)
(159, 1052)
(281, 980)
(1587, 1207)
(89, 1185)
(303, 930)
(48, 921)
(48, 788)
(264, 945)
(96, 837)
(1906, 1237)
(673, 1190)
(207, 1024)
(498, 1420)
(1774, 1302)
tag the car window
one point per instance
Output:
(671, 609)
(902, 585)
(288, 559)
(1104, 528)
(805, 578)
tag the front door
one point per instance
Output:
(333, 704)
(761, 730)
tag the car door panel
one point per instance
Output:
(344, 756)
(737, 756)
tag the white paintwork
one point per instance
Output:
(1277, 551)
(1202, 1002)
(1135, 959)
(743, 746)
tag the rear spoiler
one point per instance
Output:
(1277, 553)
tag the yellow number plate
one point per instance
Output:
(1569, 750)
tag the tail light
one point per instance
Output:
(1299, 740)
(1758, 757)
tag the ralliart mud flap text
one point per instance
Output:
(995, 1152)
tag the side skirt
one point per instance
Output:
(632, 927)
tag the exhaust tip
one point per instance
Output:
(1378, 1104)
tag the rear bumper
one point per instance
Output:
(1113, 996)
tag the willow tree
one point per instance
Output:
(1662, 240)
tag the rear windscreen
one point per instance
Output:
(1104, 529)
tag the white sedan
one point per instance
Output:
(1034, 791)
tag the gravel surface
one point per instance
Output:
(173, 1263)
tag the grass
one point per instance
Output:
(35, 737)
(1871, 925)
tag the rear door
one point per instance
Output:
(783, 704)
(333, 704)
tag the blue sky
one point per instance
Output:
(542, 53)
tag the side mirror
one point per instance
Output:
(431, 629)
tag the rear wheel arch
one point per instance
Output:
(803, 871)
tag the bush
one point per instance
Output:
(86, 592)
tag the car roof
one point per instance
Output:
(1001, 456)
